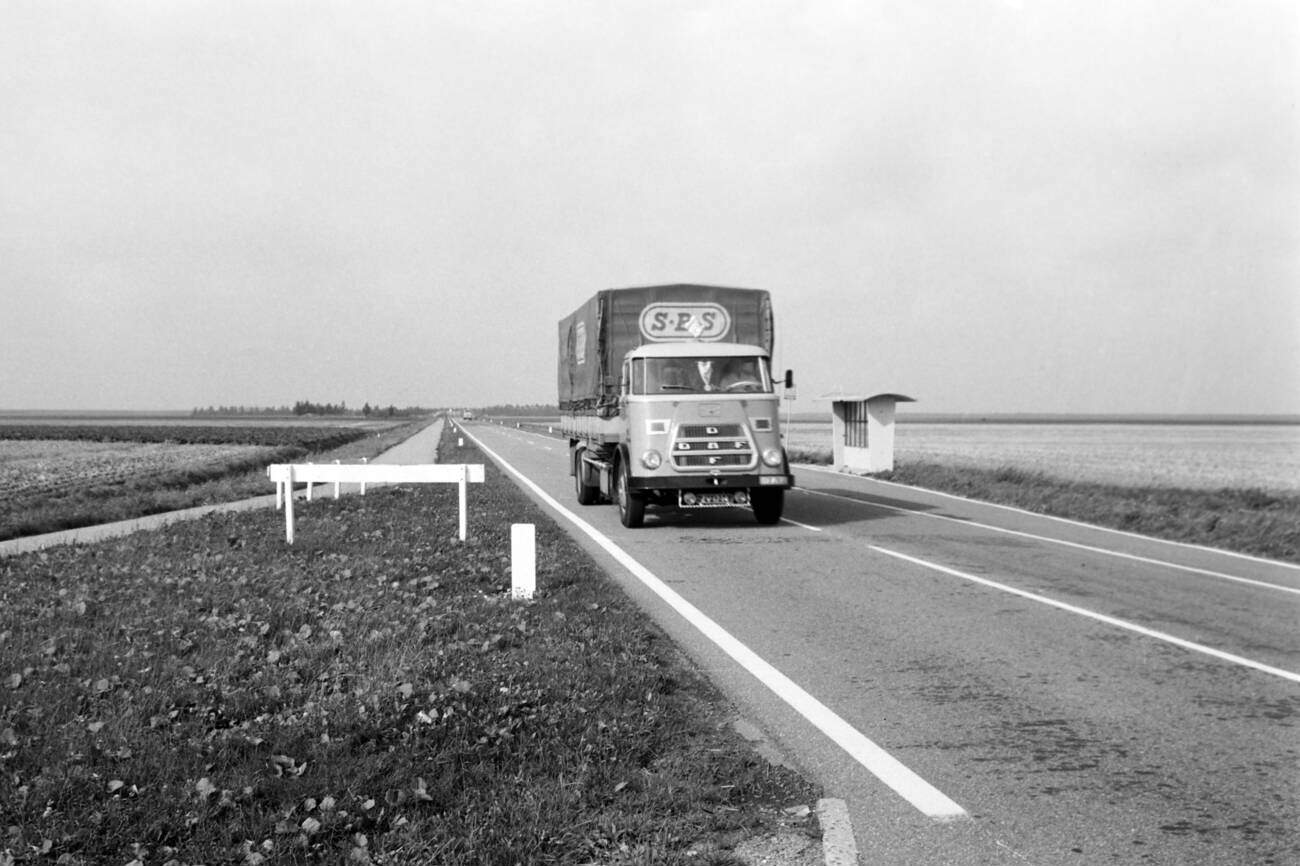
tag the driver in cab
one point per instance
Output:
(738, 374)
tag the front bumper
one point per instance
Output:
(710, 482)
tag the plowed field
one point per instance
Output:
(45, 467)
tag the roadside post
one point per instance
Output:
(790, 395)
(523, 561)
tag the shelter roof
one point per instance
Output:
(863, 396)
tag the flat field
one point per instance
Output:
(1191, 456)
(68, 471)
(45, 467)
(173, 419)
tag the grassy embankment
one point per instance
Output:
(208, 694)
(1248, 521)
(91, 503)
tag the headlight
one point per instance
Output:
(651, 459)
(772, 456)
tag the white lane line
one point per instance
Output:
(801, 525)
(1088, 547)
(1099, 617)
(921, 794)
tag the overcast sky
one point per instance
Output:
(991, 206)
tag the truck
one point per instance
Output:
(668, 399)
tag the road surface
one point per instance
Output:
(979, 684)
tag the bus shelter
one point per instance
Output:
(862, 430)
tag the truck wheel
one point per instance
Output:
(588, 494)
(768, 503)
(631, 508)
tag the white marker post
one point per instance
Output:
(523, 561)
(336, 484)
(288, 507)
(464, 499)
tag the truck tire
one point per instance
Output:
(768, 503)
(588, 494)
(631, 508)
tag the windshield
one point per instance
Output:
(704, 374)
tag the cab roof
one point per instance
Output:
(696, 350)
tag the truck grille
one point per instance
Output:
(712, 446)
(709, 431)
(710, 461)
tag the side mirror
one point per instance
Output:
(789, 378)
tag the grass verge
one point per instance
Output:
(93, 504)
(1249, 521)
(207, 694)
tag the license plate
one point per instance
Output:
(709, 500)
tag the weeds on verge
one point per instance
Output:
(1248, 521)
(1245, 520)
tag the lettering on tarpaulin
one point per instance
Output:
(666, 322)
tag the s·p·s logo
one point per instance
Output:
(671, 322)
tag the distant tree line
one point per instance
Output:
(308, 407)
(525, 410)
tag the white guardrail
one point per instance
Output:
(285, 475)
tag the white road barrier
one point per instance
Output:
(285, 475)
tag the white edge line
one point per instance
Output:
(1100, 617)
(1218, 550)
(888, 769)
(1077, 545)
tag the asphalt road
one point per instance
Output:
(979, 684)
